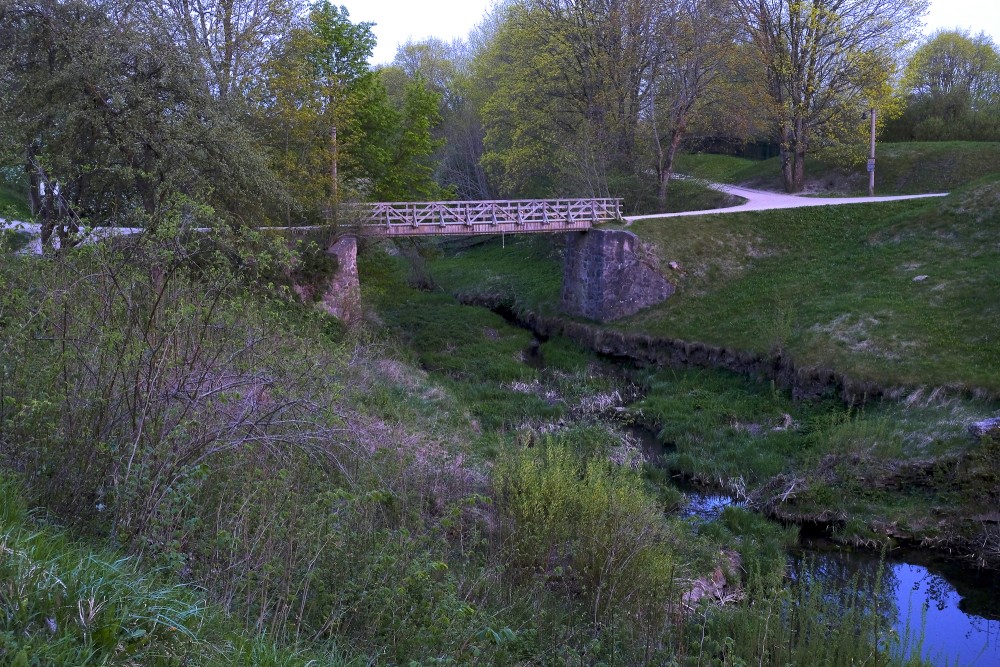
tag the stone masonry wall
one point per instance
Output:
(343, 294)
(605, 278)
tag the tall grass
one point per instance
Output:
(807, 623)
(62, 603)
(152, 393)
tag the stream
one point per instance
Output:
(942, 611)
(946, 613)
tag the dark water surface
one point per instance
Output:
(946, 613)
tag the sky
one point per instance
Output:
(400, 20)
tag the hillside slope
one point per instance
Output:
(902, 168)
(901, 293)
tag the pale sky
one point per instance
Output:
(399, 20)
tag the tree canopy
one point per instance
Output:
(120, 112)
(825, 62)
(952, 86)
(269, 110)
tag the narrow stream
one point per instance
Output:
(945, 613)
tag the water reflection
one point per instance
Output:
(931, 618)
(707, 507)
(941, 611)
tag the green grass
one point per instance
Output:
(903, 168)
(478, 357)
(65, 603)
(682, 195)
(723, 168)
(525, 269)
(888, 464)
(833, 287)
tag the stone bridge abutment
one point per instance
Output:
(607, 275)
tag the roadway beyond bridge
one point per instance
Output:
(465, 218)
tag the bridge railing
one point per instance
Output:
(457, 217)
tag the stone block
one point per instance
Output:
(605, 277)
(342, 296)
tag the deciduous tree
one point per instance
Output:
(825, 61)
(698, 49)
(952, 87)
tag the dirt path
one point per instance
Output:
(762, 200)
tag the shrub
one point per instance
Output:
(590, 529)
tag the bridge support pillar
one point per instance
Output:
(342, 296)
(606, 277)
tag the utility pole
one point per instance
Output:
(871, 159)
(335, 150)
(336, 158)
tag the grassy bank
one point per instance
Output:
(519, 392)
(903, 168)
(64, 602)
(900, 293)
(903, 295)
(410, 492)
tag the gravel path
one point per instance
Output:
(762, 200)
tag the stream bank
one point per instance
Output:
(804, 382)
(813, 502)
(941, 611)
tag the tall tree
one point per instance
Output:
(567, 80)
(111, 122)
(446, 70)
(232, 39)
(953, 61)
(825, 61)
(334, 129)
(952, 86)
(698, 50)
(613, 48)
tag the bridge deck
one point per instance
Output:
(486, 217)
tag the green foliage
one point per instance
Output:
(589, 529)
(762, 544)
(337, 133)
(715, 168)
(62, 603)
(718, 426)
(110, 120)
(815, 88)
(952, 84)
(525, 153)
(202, 423)
(409, 177)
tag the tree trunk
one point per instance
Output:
(667, 166)
(793, 161)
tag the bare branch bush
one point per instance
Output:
(150, 389)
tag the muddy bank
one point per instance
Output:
(804, 382)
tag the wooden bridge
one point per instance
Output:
(483, 217)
